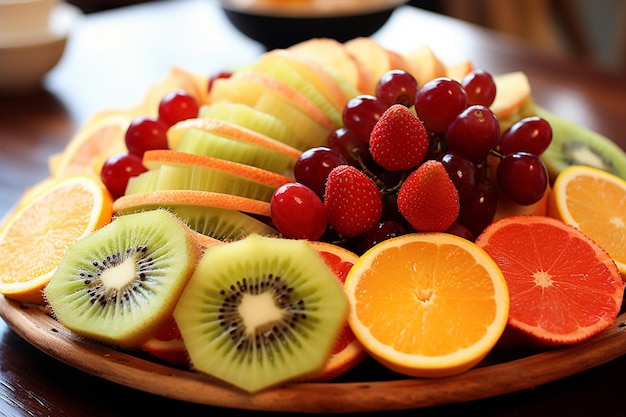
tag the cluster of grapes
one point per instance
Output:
(146, 133)
(464, 136)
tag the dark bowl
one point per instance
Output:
(281, 30)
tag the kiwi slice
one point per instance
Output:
(194, 177)
(248, 117)
(573, 144)
(209, 144)
(120, 283)
(261, 311)
(219, 223)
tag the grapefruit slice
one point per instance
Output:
(563, 287)
(347, 352)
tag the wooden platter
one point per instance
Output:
(373, 390)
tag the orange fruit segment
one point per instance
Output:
(594, 201)
(34, 238)
(427, 304)
(347, 352)
(563, 287)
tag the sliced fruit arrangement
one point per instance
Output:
(221, 216)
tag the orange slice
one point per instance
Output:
(563, 287)
(35, 236)
(427, 304)
(347, 352)
(594, 201)
(152, 199)
(98, 139)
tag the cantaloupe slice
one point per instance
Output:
(424, 64)
(512, 91)
(459, 70)
(374, 60)
(334, 58)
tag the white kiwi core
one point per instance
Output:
(257, 310)
(120, 275)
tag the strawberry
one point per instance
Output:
(352, 200)
(399, 140)
(428, 198)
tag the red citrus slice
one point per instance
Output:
(563, 287)
(347, 352)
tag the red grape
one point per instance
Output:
(382, 231)
(480, 87)
(297, 212)
(361, 114)
(146, 133)
(345, 142)
(438, 102)
(474, 132)
(478, 210)
(531, 134)
(462, 172)
(522, 177)
(396, 87)
(314, 165)
(177, 106)
(117, 170)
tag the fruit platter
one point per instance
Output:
(377, 230)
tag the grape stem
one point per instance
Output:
(356, 154)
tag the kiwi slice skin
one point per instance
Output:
(261, 311)
(573, 144)
(120, 283)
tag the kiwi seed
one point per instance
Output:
(261, 311)
(118, 284)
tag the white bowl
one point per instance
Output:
(26, 56)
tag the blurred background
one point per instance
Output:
(594, 30)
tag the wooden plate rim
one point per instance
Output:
(40, 330)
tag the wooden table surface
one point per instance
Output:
(111, 60)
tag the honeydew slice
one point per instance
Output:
(199, 142)
(333, 57)
(232, 131)
(166, 198)
(248, 117)
(153, 159)
(306, 134)
(194, 177)
(274, 66)
(338, 92)
(254, 89)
